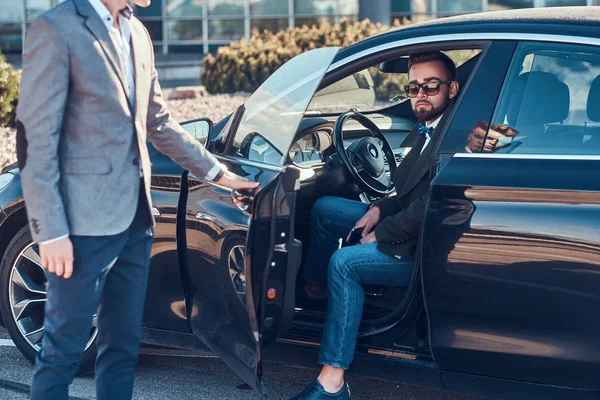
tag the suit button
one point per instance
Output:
(136, 161)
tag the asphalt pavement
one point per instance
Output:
(165, 377)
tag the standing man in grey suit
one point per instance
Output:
(90, 99)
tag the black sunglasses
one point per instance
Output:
(429, 88)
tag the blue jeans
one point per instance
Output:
(345, 271)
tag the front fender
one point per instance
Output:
(13, 191)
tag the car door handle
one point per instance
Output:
(242, 198)
(205, 217)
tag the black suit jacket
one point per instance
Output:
(402, 214)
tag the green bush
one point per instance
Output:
(10, 82)
(243, 66)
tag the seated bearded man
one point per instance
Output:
(390, 230)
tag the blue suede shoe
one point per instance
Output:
(315, 391)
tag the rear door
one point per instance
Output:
(511, 250)
(240, 259)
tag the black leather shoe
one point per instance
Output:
(315, 391)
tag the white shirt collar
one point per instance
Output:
(434, 123)
(107, 18)
(102, 12)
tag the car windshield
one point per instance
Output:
(276, 108)
(374, 88)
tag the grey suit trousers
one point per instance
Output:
(110, 276)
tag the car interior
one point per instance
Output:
(322, 174)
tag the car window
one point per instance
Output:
(550, 104)
(272, 114)
(375, 88)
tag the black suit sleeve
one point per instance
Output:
(388, 206)
(403, 226)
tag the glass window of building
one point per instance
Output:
(316, 21)
(494, 5)
(269, 7)
(176, 8)
(185, 29)
(10, 26)
(458, 7)
(270, 24)
(560, 3)
(225, 29)
(410, 6)
(348, 7)
(315, 7)
(226, 8)
(34, 8)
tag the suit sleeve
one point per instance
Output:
(403, 226)
(172, 140)
(42, 102)
(387, 206)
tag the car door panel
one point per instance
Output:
(513, 267)
(229, 302)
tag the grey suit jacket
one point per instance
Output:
(80, 142)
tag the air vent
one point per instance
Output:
(399, 157)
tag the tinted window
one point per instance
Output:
(550, 103)
(476, 104)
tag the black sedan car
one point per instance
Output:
(505, 293)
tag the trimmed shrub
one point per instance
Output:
(10, 82)
(243, 66)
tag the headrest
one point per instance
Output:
(541, 97)
(593, 101)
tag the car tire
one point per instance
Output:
(26, 333)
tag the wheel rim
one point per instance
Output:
(236, 271)
(27, 297)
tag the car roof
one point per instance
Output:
(542, 15)
(568, 21)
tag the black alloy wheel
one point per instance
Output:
(23, 299)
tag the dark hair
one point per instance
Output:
(431, 56)
(483, 124)
(504, 130)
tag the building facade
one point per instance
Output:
(197, 27)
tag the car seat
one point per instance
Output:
(592, 134)
(539, 98)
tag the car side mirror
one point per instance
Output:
(200, 129)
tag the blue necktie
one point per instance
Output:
(423, 130)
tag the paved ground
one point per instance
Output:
(200, 378)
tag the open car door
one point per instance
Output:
(241, 259)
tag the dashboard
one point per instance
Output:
(315, 137)
(308, 150)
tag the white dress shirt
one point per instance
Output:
(433, 125)
(121, 39)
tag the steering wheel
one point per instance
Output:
(364, 158)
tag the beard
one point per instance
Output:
(433, 113)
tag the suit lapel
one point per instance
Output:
(98, 29)
(424, 160)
